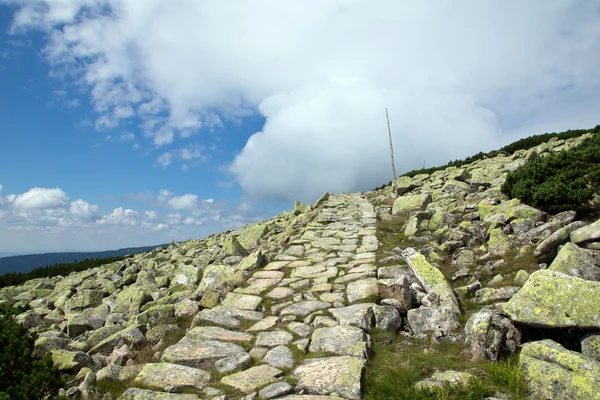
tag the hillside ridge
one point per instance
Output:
(431, 292)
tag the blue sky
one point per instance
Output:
(128, 123)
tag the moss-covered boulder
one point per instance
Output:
(431, 278)
(553, 372)
(552, 299)
(575, 261)
(590, 233)
(172, 377)
(70, 361)
(498, 243)
(406, 204)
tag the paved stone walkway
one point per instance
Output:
(298, 329)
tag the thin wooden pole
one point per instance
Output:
(391, 151)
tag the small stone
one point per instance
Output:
(280, 357)
(253, 378)
(280, 293)
(233, 363)
(265, 324)
(324, 376)
(275, 390)
(273, 338)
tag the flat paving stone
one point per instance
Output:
(200, 353)
(280, 293)
(273, 338)
(242, 301)
(217, 333)
(323, 376)
(362, 289)
(263, 325)
(163, 376)
(340, 340)
(304, 308)
(253, 378)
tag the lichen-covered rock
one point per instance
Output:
(71, 361)
(431, 278)
(144, 394)
(489, 335)
(253, 378)
(556, 239)
(489, 295)
(555, 300)
(410, 203)
(575, 261)
(279, 357)
(323, 376)
(553, 372)
(441, 321)
(200, 353)
(590, 233)
(590, 346)
(172, 377)
(387, 317)
(359, 315)
(498, 243)
(361, 290)
(340, 340)
(441, 378)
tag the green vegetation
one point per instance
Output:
(559, 181)
(521, 144)
(18, 278)
(22, 376)
(396, 367)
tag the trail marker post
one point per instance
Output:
(391, 151)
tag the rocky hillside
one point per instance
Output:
(308, 304)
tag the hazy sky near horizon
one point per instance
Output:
(135, 122)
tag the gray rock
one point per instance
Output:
(171, 377)
(340, 340)
(489, 335)
(324, 376)
(200, 353)
(280, 357)
(275, 390)
(359, 315)
(233, 363)
(441, 320)
(363, 289)
(304, 308)
(575, 261)
(144, 394)
(273, 338)
(553, 372)
(489, 295)
(590, 233)
(590, 346)
(387, 317)
(253, 378)
(556, 239)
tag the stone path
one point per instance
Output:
(298, 329)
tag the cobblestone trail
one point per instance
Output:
(299, 327)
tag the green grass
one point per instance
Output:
(395, 368)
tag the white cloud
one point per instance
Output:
(165, 159)
(119, 216)
(189, 153)
(160, 227)
(82, 210)
(126, 137)
(458, 77)
(184, 202)
(40, 199)
(151, 215)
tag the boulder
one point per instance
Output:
(406, 204)
(70, 361)
(552, 299)
(200, 353)
(253, 378)
(556, 239)
(431, 278)
(324, 376)
(361, 290)
(441, 321)
(489, 335)
(590, 233)
(575, 261)
(340, 340)
(590, 346)
(144, 394)
(172, 377)
(553, 372)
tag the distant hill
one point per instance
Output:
(26, 263)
